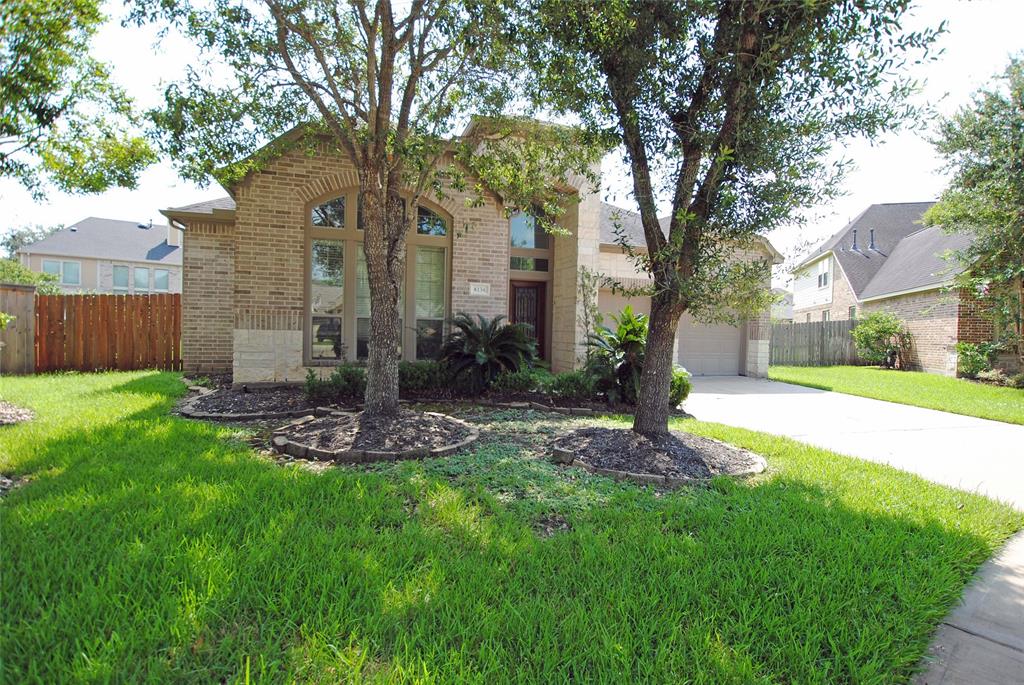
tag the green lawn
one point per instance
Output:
(919, 389)
(149, 548)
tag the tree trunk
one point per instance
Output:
(384, 245)
(652, 409)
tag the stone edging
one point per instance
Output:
(283, 445)
(560, 455)
(188, 410)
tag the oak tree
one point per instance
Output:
(726, 110)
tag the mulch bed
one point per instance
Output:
(410, 430)
(677, 455)
(253, 401)
(12, 413)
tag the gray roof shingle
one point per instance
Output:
(99, 238)
(207, 206)
(917, 262)
(891, 222)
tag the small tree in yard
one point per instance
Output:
(984, 148)
(882, 338)
(381, 87)
(726, 108)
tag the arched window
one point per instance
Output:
(337, 289)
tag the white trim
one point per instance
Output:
(910, 291)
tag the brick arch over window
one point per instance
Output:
(347, 182)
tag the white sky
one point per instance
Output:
(899, 168)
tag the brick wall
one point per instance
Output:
(932, 318)
(974, 323)
(207, 298)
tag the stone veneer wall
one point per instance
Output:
(932, 319)
(207, 297)
(572, 252)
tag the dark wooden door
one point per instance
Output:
(526, 306)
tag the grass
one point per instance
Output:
(149, 548)
(915, 388)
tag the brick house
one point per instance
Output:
(886, 260)
(274, 279)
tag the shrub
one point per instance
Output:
(347, 381)
(996, 376)
(421, 376)
(478, 351)
(882, 338)
(616, 356)
(680, 388)
(5, 319)
(973, 358)
(1016, 381)
(12, 271)
(523, 380)
(573, 386)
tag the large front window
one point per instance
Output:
(338, 285)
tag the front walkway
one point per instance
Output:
(982, 639)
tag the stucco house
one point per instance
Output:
(110, 256)
(275, 283)
(886, 260)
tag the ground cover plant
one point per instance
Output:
(915, 388)
(144, 547)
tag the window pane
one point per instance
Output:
(141, 278)
(429, 223)
(326, 338)
(121, 277)
(51, 267)
(330, 214)
(428, 338)
(161, 279)
(430, 282)
(72, 273)
(327, 276)
(527, 264)
(525, 232)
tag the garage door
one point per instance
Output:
(709, 350)
(704, 350)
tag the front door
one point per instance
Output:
(526, 306)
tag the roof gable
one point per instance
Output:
(890, 223)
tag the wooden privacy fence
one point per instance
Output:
(815, 343)
(94, 332)
(18, 339)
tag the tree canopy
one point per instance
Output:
(62, 118)
(726, 109)
(983, 145)
(17, 238)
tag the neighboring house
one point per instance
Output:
(110, 256)
(782, 311)
(275, 282)
(886, 260)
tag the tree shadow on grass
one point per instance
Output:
(159, 550)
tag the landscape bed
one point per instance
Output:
(146, 547)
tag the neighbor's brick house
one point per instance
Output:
(886, 260)
(274, 281)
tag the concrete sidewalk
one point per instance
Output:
(981, 642)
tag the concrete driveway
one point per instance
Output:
(962, 451)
